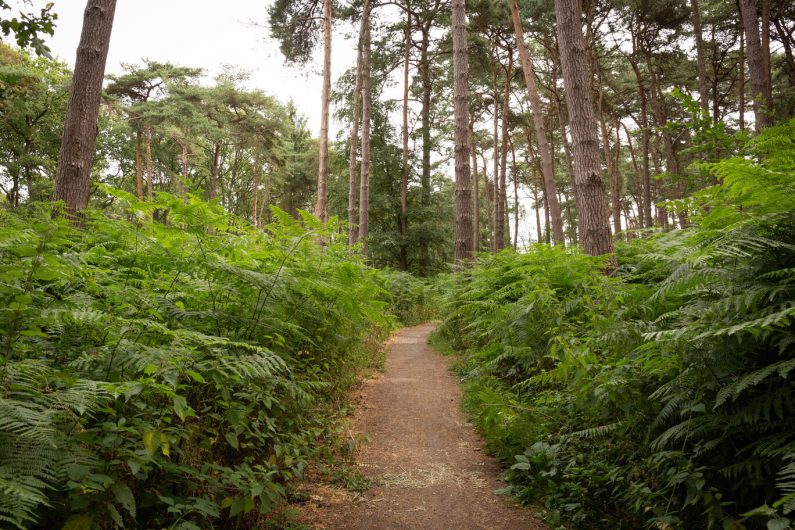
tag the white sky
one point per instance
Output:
(206, 34)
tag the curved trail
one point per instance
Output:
(424, 461)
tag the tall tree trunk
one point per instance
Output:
(463, 190)
(594, 214)
(765, 36)
(139, 178)
(496, 159)
(425, 124)
(538, 123)
(255, 205)
(786, 41)
(367, 103)
(214, 169)
(353, 231)
(661, 118)
(612, 179)
(702, 58)
(515, 174)
(637, 174)
(539, 235)
(760, 91)
(475, 188)
(150, 179)
(73, 176)
(404, 169)
(489, 210)
(643, 118)
(183, 144)
(741, 75)
(500, 218)
(321, 207)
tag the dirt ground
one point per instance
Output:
(425, 462)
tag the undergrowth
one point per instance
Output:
(662, 396)
(173, 374)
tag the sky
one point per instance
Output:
(206, 34)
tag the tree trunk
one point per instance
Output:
(404, 170)
(496, 178)
(500, 218)
(367, 103)
(760, 91)
(765, 36)
(463, 190)
(255, 206)
(139, 178)
(786, 41)
(184, 161)
(475, 188)
(425, 118)
(515, 174)
(487, 190)
(702, 60)
(214, 171)
(593, 212)
(612, 179)
(150, 179)
(321, 207)
(538, 123)
(741, 75)
(643, 118)
(73, 176)
(353, 231)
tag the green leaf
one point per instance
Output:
(231, 437)
(124, 495)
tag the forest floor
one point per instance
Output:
(425, 464)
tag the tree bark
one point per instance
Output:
(496, 178)
(741, 75)
(594, 214)
(760, 91)
(701, 56)
(321, 207)
(353, 231)
(255, 186)
(500, 217)
(150, 179)
(367, 103)
(538, 123)
(404, 170)
(425, 119)
(214, 169)
(515, 174)
(643, 118)
(463, 190)
(73, 176)
(475, 188)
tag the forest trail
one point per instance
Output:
(424, 461)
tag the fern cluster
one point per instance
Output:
(174, 373)
(663, 396)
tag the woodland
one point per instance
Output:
(594, 198)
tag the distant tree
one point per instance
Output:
(294, 24)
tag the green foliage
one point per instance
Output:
(662, 396)
(175, 374)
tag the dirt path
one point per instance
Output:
(424, 461)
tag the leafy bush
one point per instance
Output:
(661, 397)
(414, 300)
(170, 374)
